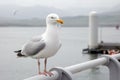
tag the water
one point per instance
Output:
(73, 41)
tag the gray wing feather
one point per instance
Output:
(33, 47)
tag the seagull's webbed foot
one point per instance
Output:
(39, 73)
(46, 73)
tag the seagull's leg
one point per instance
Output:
(45, 65)
(45, 68)
(39, 67)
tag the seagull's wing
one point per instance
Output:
(33, 47)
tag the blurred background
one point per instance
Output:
(20, 20)
(33, 12)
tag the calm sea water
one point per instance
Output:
(73, 41)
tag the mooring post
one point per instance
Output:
(93, 30)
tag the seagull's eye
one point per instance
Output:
(52, 17)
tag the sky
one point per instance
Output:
(63, 4)
(29, 8)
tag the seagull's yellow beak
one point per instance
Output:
(60, 21)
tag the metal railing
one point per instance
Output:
(66, 73)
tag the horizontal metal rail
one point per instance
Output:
(78, 68)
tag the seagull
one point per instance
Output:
(45, 45)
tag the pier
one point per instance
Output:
(93, 45)
(102, 47)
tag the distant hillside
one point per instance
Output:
(35, 16)
(13, 15)
(22, 22)
(114, 11)
(110, 17)
(21, 12)
(109, 20)
(78, 21)
(103, 20)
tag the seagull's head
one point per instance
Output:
(53, 19)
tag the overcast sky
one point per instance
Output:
(64, 7)
(63, 4)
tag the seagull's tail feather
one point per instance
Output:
(19, 53)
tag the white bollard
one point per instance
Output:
(93, 30)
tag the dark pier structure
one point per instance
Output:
(103, 48)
